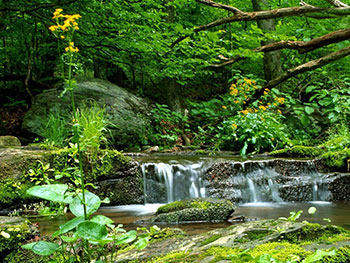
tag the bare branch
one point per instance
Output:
(337, 3)
(220, 6)
(304, 47)
(311, 65)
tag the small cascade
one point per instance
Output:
(168, 182)
(251, 181)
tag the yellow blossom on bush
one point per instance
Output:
(236, 101)
(266, 91)
(224, 107)
(234, 91)
(280, 100)
(279, 111)
(234, 126)
(262, 107)
(53, 28)
(245, 112)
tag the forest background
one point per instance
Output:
(245, 76)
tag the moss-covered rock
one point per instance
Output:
(298, 151)
(13, 232)
(277, 241)
(129, 114)
(115, 175)
(194, 210)
(337, 159)
(9, 141)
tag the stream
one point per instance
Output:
(262, 188)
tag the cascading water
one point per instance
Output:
(168, 182)
(247, 182)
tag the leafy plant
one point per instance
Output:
(55, 130)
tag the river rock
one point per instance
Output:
(246, 242)
(128, 114)
(195, 210)
(9, 141)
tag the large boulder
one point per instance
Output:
(127, 112)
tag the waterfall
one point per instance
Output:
(251, 181)
(168, 182)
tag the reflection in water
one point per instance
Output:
(338, 213)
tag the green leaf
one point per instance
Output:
(126, 237)
(305, 120)
(142, 243)
(51, 192)
(71, 224)
(69, 239)
(318, 255)
(103, 220)
(44, 248)
(309, 110)
(312, 210)
(92, 231)
(29, 245)
(310, 88)
(93, 203)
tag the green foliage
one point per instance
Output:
(168, 126)
(55, 130)
(92, 126)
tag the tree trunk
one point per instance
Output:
(170, 85)
(272, 59)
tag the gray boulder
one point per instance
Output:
(128, 113)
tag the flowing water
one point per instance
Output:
(261, 191)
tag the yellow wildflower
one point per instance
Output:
(62, 37)
(266, 91)
(245, 112)
(280, 100)
(262, 107)
(53, 28)
(236, 101)
(279, 111)
(234, 92)
(248, 81)
(224, 107)
(272, 139)
(234, 126)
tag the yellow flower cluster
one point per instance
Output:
(234, 126)
(71, 48)
(280, 100)
(68, 23)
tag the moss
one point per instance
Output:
(13, 231)
(299, 151)
(197, 209)
(312, 232)
(257, 234)
(13, 193)
(337, 159)
(221, 253)
(280, 250)
(210, 239)
(177, 257)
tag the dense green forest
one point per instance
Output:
(248, 76)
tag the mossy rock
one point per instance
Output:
(298, 151)
(338, 159)
(117, 176)
(196, 209)
(9, 141)
(257, 241)
(13, 232)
